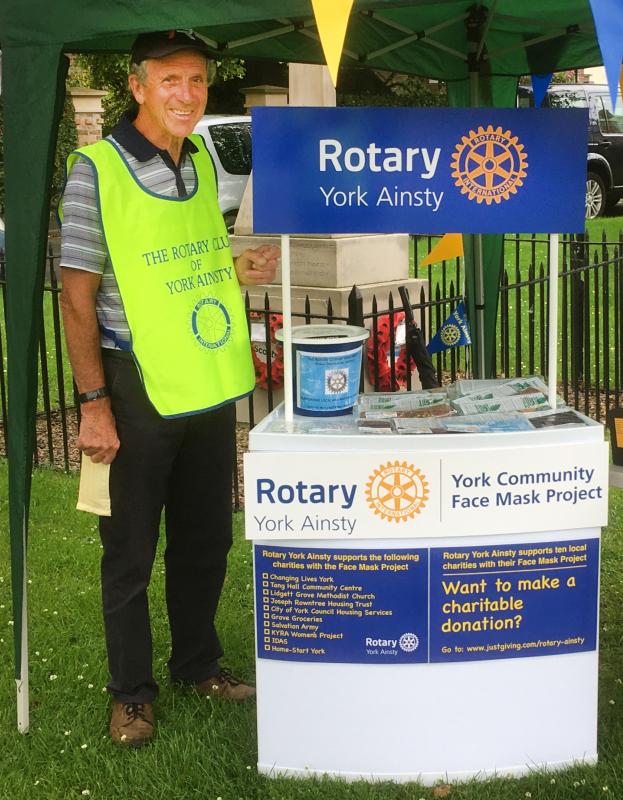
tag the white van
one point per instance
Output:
(228, 138)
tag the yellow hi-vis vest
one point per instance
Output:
(172, 260)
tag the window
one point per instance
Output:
(524, 98)
(232, 142)
(609, 122)
(570, 98)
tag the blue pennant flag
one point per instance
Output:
(608, 16)
(453, 333)
(540, 85)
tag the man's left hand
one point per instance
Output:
(258, 265)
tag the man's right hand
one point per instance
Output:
(98, 432)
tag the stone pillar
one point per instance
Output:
(310, 85)
(88, 113)
(264, 95)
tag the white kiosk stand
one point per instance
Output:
(426, 607)
(340, 689)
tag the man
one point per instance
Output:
(158, 342)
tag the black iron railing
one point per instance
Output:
(590, 335)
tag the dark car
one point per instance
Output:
(604, 175)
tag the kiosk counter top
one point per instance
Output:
(330, 433)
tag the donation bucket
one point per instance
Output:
(326, 368)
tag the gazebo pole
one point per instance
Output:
(553, 319)
(479, 280)
(286, 305)
(22, 683)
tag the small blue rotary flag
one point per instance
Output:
(453, 333)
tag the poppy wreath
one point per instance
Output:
(259, 352)
(385, 383)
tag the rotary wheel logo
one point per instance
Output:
(397, 491)
(450, 335)
(211, 323)
(337, 381)
(408, 642)
(489, 165)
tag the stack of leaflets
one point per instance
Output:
(488, 423)
(392, 401)
(479, 423)
(376, 426)
(501, 405)
(520, 394)
(522, 386)
(404, 405)
(486, 405)
(555, 418)
(417, 427)
(464, 387)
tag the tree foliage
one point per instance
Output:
(567, 76)
(109, 73)
(374, 88)
(67, 141)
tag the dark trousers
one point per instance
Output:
(185, 466)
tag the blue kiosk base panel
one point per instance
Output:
(426, 605)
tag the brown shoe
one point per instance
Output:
(132, 724)
(225, 685)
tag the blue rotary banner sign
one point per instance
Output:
(398, 170)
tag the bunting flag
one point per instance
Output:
(453, 333)
(608, 16)
(449, 246)
(332, 20)
(540, 85)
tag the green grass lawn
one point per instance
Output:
(205, 749)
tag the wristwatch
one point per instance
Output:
(94, 394)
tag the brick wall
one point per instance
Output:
(88, 112)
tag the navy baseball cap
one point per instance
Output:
(163, 43)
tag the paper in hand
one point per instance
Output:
(94, 494)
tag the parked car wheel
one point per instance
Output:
(595, 196)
